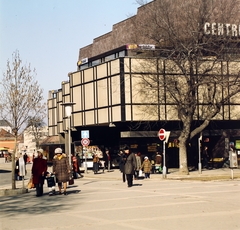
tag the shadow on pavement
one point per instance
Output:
(5, 171)
(29, 203)
(137, 185)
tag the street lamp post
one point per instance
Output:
(199, 154)
(68, 112)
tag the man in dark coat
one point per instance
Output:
(121, 162)
(25, 157)
(205, 157)
(39, 169)
(61, 169)
(130, 166)
(107, 160)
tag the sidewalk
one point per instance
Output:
(114, 174)
(173, 174)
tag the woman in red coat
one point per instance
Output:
(75, 166)
(61, 169)
(38, 171)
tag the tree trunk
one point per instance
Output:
(183, 166)
(14, 164)
(183, 142)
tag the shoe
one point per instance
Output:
(59, 193)
(65, 193)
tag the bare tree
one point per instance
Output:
(197, 70)
(21, 98)
(35, 127)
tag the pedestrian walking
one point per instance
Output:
(107, 160)
(95, 163)
(121, 162)
(25, 157)
(50, 177)
(22, 166)
(205, 157)
(146, 167)
(39, 168)
(61, 169)
(79, 164)
(17, 169)
(75, 166)
(130, 166)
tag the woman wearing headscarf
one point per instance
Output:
(147, 167)
(39, 169)
(61, 169)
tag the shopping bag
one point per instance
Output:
(140, 173)
(30, 184)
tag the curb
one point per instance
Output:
(13, 192)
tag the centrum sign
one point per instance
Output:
(222, 29)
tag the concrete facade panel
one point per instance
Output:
(116, 114)
(76, 78)
(102, 98)
(101, 71)
(103, 116)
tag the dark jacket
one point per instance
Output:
(61, 168)
(130, 164)
(39, 167)
(121, 161)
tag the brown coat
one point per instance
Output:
(146, 166)
(61, 168)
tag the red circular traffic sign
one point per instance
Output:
(162, 134)
(85, 142)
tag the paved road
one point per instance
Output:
(95, 203)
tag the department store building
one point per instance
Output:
(108, 104)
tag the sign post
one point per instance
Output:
(161, 134)
(164, 136)
(199, 154)
(85, 142)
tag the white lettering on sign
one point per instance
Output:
(146, 46)
(221, 29)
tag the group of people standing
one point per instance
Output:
(103, 161)
(61, 170)
(130, 165)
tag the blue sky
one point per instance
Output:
(49, 33)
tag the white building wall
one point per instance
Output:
(29, 144)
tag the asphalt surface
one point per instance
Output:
(102, 201)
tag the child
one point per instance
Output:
(147, 167)
(51, 183)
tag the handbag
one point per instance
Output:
(140, 173)
(71, 181)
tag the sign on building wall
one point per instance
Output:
(222, 29)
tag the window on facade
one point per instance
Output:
(110, 57)
(84, 66)
(121, 53)
(96, 62)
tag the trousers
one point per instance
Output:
(39, 189)
(129, 179)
